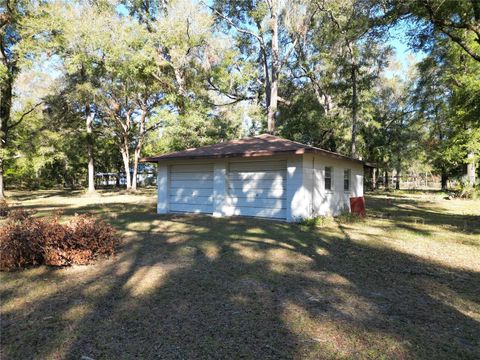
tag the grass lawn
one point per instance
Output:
(405, 283)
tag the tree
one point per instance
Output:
(44, 151)
(457, 20)
(126, 112)
(339, 60)
(262, 28)
(194, 68)
(439, 27)
(76, 36)
(14, 19)
(127, 92)
(448, 96)
(360, 59)
(393, 135)
(184, 49)
(305, 121)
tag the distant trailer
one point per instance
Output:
(119, 179)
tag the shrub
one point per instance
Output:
(465, 190)
(348, 218)
(318, 221)
(26, 240)
(20, 241)
(4, 209)
(315, 222)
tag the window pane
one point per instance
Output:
(328, 178)
(328, 184)
(346, 179)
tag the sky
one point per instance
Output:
(398, 40)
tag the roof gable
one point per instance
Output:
(261, 145)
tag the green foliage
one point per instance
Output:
(305, 121)
(310, 224)
(165, 76)
(192, 129)
(456, 20)
(349, 218)
(46, 154)
(448, 98)
(467, 190)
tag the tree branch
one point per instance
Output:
(295, 42)
(153, 127)
(232, 102)
(231, 23)
(462, 43)
(441, 25)
(476, 9)
(282, 100)
(11, 126)
(238, 97)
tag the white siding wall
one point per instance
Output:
(299, 188)
(162, 189)
(191, 188)
(219, 187)
(290, 188)
(335, 201)
(256, 188)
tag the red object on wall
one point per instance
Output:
(357, 206)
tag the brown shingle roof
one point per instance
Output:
(261, 145)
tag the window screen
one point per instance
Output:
(328, 178)
(346, 180)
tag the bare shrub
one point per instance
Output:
(26, 240)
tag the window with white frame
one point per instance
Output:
(328, 178)
(346, 179)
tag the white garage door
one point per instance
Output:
(191, 188)
(257, 188)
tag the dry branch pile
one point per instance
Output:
(26, 240)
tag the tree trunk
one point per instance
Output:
(398, 175)
(126, 166)
(471, 168)
(89, 126)
(5, 109)
(124, 150)
(374, 178)
(387, 181)
(2, 186)
(138, 147)
(272, 108)
(136, 156)
(353, 146)
(444, 179)
(268, 87)
(181, 91)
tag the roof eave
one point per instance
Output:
(223, 156)
(157, 159)
(332, 155)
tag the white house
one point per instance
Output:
(264, 176)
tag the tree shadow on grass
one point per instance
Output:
(205, 288)
(42, 194)
(415, 212)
